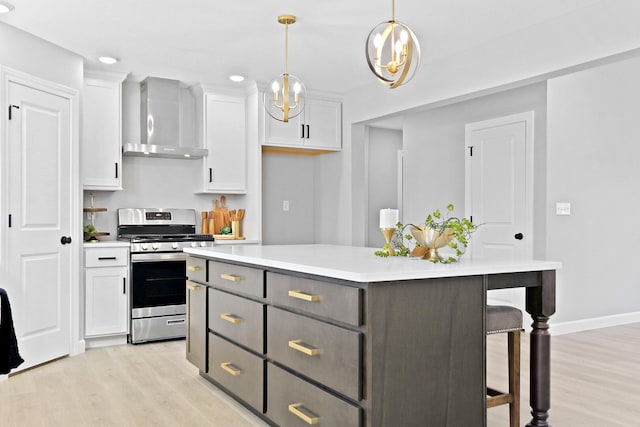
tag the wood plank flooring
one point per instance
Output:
(595, 382)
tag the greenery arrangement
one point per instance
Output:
(459, 229)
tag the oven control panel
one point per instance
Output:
(167, 246)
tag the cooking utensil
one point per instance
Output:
(225, 212)
(205, 222)
(212, 223)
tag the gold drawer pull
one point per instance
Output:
(308, 417)
(303, 296)
(230, 368)
(194, 268)
(194, 287)
(230, 277)
(303, 347)
(231, 318)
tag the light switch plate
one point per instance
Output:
(563, 208)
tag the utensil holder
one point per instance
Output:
(236, 229)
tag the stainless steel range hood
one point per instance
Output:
(160, 122)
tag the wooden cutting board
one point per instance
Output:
(226, 218)
(218, 217)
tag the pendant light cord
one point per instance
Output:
(286, 48)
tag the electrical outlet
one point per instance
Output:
(285, 205)
(563, 208)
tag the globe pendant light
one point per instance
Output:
(284, 97)
(393, 52)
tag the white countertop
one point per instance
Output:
(107, 244)
(359, 264)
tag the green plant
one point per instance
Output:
(459, 229)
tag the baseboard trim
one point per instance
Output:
(106, 341)
(573, 326)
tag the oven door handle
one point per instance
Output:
(159, 257)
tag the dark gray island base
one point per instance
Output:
(303, 345)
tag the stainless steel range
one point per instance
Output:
(158, 269)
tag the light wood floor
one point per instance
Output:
(595, 382)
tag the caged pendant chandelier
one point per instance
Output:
(393, 52)
(284, 97)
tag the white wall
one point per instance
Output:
(29, 54)
(593, 162)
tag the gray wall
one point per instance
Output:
(382, 178)
(434, 153)
(291, 178)
(594, 163)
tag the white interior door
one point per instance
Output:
(39, 205)
(499, 196)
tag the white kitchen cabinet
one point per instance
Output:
(221, 127)
(101, 144)
(106, 291)
(319, 127)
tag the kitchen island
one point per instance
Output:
(307, 333)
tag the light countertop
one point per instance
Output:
(359, 264)
(106, 244)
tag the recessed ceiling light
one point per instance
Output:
(107, 60)
(236, 78)
(5, 7)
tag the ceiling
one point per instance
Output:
(206, 41)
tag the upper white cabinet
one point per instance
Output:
(319, 127)
(101, 145)
(221, 126)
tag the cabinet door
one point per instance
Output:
(101, 145)
(226, 164)
(278, 133)
(318, 127)
(324, 125)
(197, 325)
(106, 301)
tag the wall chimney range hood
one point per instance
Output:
(160, 122)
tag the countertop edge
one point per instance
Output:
(272, 257)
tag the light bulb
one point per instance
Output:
(297, 88)
(275, 87)
(398, 47)
(377, 41)
(404, 36)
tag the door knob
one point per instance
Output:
(65, 240)
(518, 236)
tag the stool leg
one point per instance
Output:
(514, 378)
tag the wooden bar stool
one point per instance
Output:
(505, 319)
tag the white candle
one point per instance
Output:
(388, 218)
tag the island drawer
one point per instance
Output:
(326, 353)
(237, 318)
(197, 269)
(106, 257)
(237, 279)
(337, 302)
(237, 370)
(292, 401)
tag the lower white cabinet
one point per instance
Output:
(106, 291)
